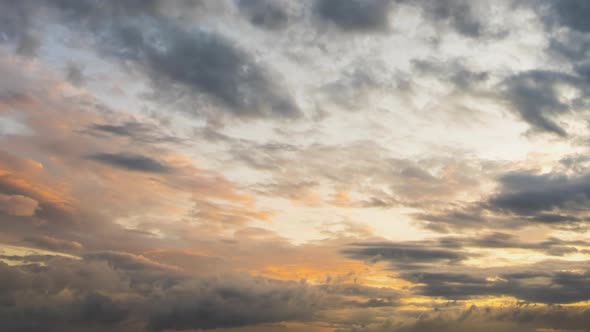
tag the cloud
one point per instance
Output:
(28, 45)
(557, 198)
(360, 86)
(570, 13)
(458, 14)
(203, 63)
(536, 97)
(75, 74)
(134, 130)
(16, 26)
(355, 15)
(542, 196)
(123, 296)
(231, 303)
(67, 131)
(457, 72)
(18, 205)
(568, 44)
(166, 256)
(266, 14)
(551, 246)
(404, 253)
(440, 267)
(474, 318)
(53, 243)
(568, 35)
(538, 286)
(178, 60)
(133, 162)
(392, 182)
(127, 261)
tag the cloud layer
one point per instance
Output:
(316, 165)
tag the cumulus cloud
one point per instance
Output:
(486, 319)
(123, 291)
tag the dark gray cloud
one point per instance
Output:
(75, 74)
(534, 95)
(455, 218)
(436, 268)
(133, 162)
(31, 300)
(181, 62)
(458, 14)
(457, 72)
(551, 246)
(456, 282)
(347, 15)
(92, 10)
(568, 33)
(28, 45)
(542, 195)
(405, 254)
(355, 15)
(136, 131)
(513, 318)
(16, 26)
(230, 304)
(554, 287)
(570, 47)
(570, 13)
(558, 199)
(452, 250)
(124, 292)
(264, 13)
(497, 240)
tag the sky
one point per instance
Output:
(295, 166)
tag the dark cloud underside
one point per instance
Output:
(355, 15)
(264, 13)
(131, 162)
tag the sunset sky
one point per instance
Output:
(295, 166)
